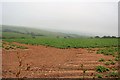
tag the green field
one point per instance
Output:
(54, 39)
(69, 43)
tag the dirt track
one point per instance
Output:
(42, 61)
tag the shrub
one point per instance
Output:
(117, 58)
(114, 69)
(112, 62)
(7, 48)
(102, 69)
(22, 47)
(101, 60)
(107, 51)
(99, 75)
(107, 63)
(113, 74)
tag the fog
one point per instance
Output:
(96, 18)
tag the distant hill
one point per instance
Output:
(25, 32)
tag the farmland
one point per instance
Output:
(51, 56)
(60, 39)
(69, 43)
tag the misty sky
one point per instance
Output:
(99, 18)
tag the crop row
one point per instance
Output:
(9, 46)
(69, 43)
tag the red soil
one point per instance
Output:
(42, 61)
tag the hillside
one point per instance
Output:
(25, 32)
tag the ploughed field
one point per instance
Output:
(60, 58)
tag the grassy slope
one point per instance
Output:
(16, 35)
(50, 39)
(35, 31)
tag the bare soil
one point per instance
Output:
(48, 62)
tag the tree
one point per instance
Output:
(97, 37)
(113, 36)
